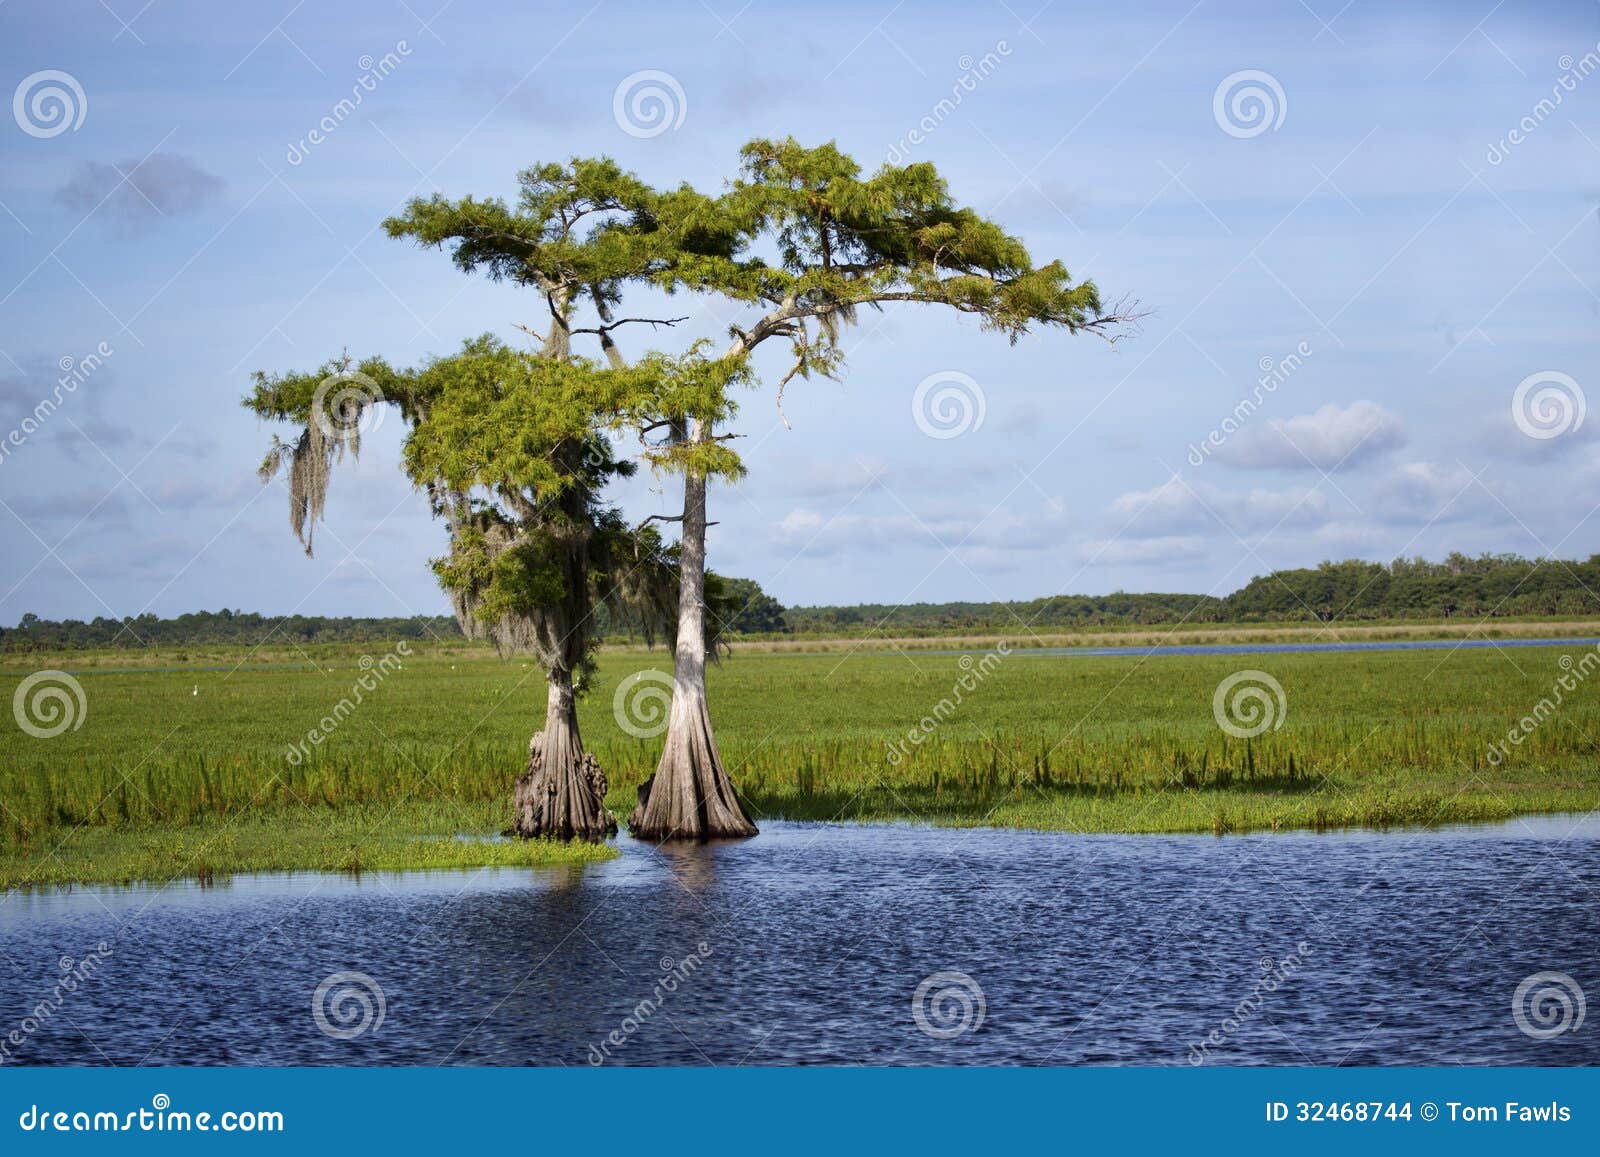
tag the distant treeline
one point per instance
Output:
(1487, 586)
(1491, 585)
(740, 603)
(230, 627)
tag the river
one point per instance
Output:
(812, 943)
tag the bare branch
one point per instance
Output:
(799, 364)
(605, 329)
(1121, 321)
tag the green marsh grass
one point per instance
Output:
(1075, 743)
(358, 839)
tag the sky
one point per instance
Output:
(1365, 235)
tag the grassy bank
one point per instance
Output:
(360, 838)
(1074, 743)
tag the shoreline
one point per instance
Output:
(283, 654)
(161, 854)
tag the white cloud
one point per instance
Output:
(967, 531)
(1332, 436)
(800, 522)
(1184, 508)
(1422, 492)
(830, 478)
(1142, 551)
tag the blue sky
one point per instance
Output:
(1379, 234)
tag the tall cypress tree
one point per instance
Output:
(585, 236)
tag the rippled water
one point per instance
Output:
(1086, 950)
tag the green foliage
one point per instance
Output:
(239, 628)
(1486, 586)
(585, 231)
(586, 223)
(289, 397)
(741, 607)
(520, 580)
(503, 419)
(509, 446)
(897, 235)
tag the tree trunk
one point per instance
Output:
(690, 797)
(562, 794)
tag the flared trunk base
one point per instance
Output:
(690, 797)
(562, 795)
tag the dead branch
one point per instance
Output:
(607, 328)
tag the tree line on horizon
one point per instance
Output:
(1489, 585)
(1485, 586)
